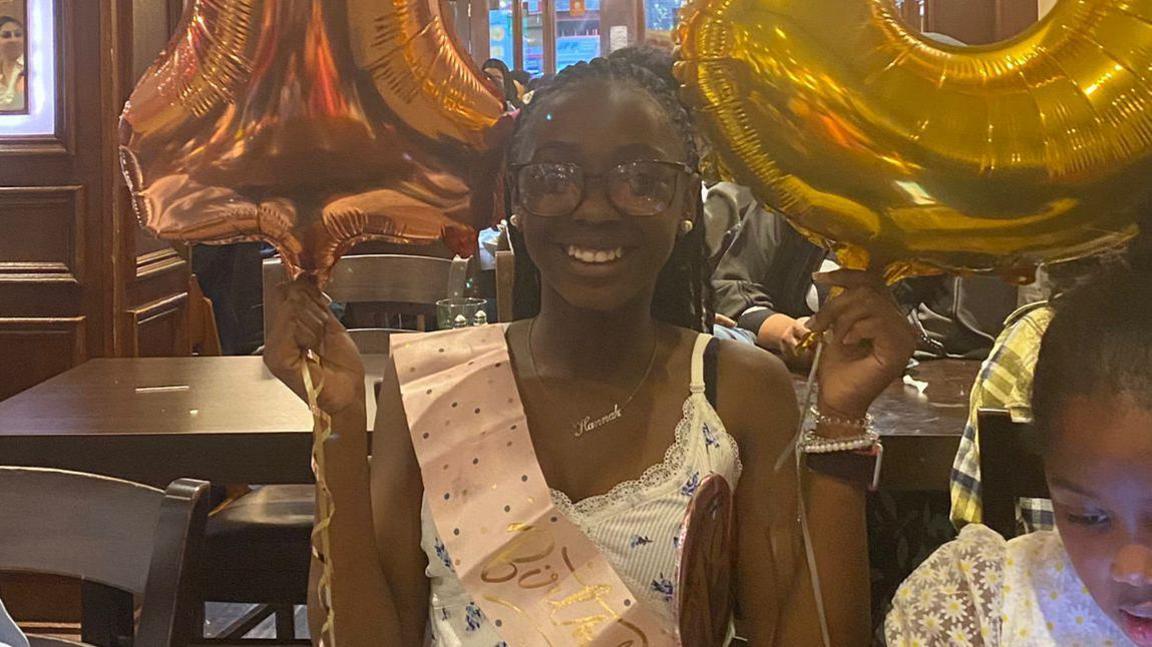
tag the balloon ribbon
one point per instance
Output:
(321, 538)
(793, 449)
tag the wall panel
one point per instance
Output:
(35, 349)
(46, 239)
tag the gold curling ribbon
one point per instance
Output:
(321, 538)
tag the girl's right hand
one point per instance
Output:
(304, 322)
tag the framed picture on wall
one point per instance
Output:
(14, 57)
(31, 86)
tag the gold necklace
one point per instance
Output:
(592, 423)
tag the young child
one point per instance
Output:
(1089, 582)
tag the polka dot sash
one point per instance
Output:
(532, 571)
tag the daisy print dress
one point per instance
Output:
(982, 590)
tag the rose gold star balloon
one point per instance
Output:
(313, 125)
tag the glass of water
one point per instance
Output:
(460, 312)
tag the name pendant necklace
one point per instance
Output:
(592, 423)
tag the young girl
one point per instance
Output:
(602, 379)
(1089, 582)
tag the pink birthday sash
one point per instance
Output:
(536, 576)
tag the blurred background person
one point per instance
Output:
(498, 73)
(12, 67)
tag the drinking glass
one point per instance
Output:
(459, 312)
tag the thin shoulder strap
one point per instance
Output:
(711, 351)
(699, 383)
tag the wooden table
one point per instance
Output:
(921, 430)
(226, 419)
(223, 419)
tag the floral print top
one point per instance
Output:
(982, 590)
(636, 524)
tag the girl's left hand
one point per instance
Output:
(868, 344)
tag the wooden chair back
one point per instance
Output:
(1011, 467)
(396, 279)
(113, 533)
(203, 335)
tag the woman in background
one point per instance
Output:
(12, 71)
(498, 73)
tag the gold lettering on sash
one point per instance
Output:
(511, 557)
(583, 614)
(548, 580)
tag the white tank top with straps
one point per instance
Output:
(636, 525)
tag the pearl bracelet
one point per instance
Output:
(813, 443)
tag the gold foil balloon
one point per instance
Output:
(916, 156)
(314, 125)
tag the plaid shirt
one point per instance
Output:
(1004, 382)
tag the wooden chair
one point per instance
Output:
(203, 336)
(120, 538)
(1011, 467)
(260, 543)
(257, 552)
(406, 285)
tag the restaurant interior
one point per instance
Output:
(221, 217)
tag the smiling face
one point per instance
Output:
(1099, 466)
(598, 257)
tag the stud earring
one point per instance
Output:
(686, 227)
(514, 219)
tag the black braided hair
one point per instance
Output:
(654, 59)
(683, 290)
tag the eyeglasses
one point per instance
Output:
(638, 188)
(9, 33)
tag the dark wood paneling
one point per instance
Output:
(479, 26)
(150, 271)
(47, 240)
(163, 260)
(1014, 16)
(72, 250)
(970, 21)
(979, 22)
(36, 349)
(160, 328)
(150, 31)
(54, 213)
